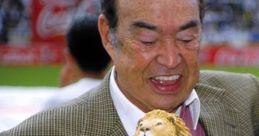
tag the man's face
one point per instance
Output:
(156, 52)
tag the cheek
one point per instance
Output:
(193, 68)
(137, 57)
(144, 55)
(190, 57)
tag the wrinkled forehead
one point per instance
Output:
(146, 5)
(158, 11)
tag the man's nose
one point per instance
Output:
(169, 55)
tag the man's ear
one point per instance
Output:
(70, 71)
(103, 26)
(68, 57)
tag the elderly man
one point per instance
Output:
(154, 46)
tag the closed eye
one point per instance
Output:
(187, 40)
(159, 123)
(148, 42)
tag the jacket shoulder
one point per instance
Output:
(69, 118)
(228, 79)
(55, 121)
(237, 92)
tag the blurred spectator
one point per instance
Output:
(11, 12)
(230, 21)
(86, 60)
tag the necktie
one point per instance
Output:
(186, 116)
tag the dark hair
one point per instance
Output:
(84, 44)
(109, 10)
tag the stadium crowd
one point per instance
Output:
(226, 21)
(231, 21)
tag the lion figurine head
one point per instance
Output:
(161, 123)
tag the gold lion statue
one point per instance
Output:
(161, 123)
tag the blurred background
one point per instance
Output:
(32, 47)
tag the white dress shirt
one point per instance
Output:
(129, 114)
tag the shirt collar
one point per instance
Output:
(129, 114)
(193, 102)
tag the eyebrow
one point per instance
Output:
(188, 25)
(141, 24)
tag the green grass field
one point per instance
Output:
(48, 75)
(252, 70)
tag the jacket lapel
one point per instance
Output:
(106, 118)
(217, 118)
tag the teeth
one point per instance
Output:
(167, 78)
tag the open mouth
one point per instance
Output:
(166, 84)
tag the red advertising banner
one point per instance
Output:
(34, 54)
(246, 56)
(51, 18)
(48, 53)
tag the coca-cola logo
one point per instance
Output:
(237, 57)
(54, 17)
(50, 25)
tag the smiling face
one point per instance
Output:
(156, 51)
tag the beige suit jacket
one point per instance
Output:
(227, 102)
